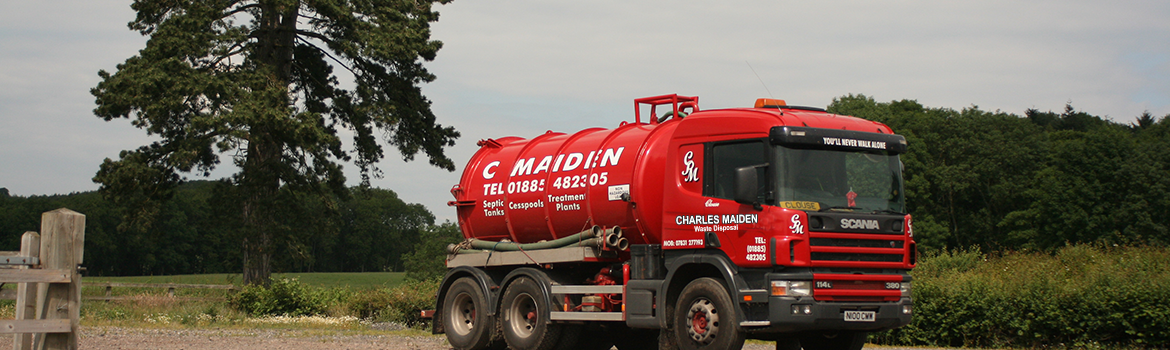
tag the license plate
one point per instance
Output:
(860, 316)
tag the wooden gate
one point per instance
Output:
(48, 295)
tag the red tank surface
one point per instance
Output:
(556, 184)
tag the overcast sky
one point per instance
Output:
(522, 67)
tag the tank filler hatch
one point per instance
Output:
(678, 105)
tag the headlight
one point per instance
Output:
(791, 288)
(906, 289)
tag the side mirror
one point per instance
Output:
(747, 185)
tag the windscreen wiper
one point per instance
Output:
(842, 208)
(887, 211)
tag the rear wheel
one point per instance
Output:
(525, 323)
(705, 317)
(834, 341)
(465, 316)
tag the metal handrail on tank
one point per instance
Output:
(678, 103)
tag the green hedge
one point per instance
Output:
(290, 297)
(401, 303)
(1080, 296)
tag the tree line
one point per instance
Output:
(1039, 181)
(994, 180)
(198, 230)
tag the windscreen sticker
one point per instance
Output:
(798, 205)
(835, 141)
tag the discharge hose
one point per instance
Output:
(566, 241)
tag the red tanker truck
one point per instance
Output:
(693, 230)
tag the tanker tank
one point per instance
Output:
(555, 185)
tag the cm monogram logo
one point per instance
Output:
(691, 173)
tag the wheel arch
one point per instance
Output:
(543, 280)
(683, 269)
(486, 283)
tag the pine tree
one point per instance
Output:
(255, 81)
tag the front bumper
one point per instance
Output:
(777, 316)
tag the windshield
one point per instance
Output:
(834, 179)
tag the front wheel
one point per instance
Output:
(525, 323)
(705, 317)
(834, 341)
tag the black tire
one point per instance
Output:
(834, 341)
(524, 317)
(706, 318)
(465, 316)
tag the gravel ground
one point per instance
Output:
(223, 339)
(109, 338)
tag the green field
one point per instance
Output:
(342, 301)
(349, 280)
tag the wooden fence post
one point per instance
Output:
(26, 309)
(62, 247)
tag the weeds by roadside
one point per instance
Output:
(286, 303)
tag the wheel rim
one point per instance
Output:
(462, 314)
(704, 321)
(523, 315)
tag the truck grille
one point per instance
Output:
(857, 257)
(859, 243)
(847, 249)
